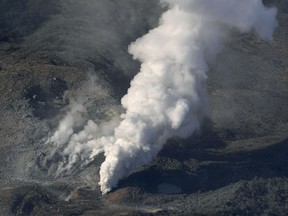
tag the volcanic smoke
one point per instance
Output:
(167, 98)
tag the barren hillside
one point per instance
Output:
(54, 54)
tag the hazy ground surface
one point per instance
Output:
(53, 53)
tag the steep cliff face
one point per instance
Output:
(60, 52)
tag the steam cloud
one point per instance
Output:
(167, 97)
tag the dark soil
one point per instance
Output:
(53, 53)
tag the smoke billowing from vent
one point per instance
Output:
(167, 97)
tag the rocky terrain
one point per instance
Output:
(56, 53)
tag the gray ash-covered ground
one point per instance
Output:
(53, 53)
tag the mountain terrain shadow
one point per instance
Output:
(201, 170)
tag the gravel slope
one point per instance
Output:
(54, 53)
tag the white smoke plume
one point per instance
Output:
(65, 129)
(167, 97)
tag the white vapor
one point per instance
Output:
(65, 129)
(167, 97)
